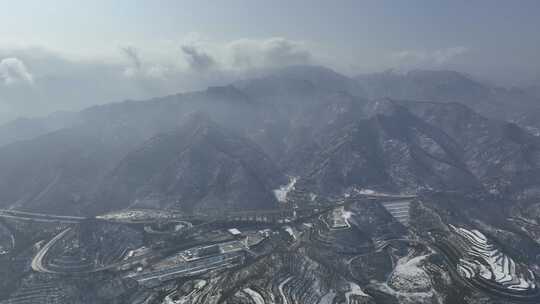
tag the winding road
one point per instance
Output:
(37, 261)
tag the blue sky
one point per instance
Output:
(177, 43)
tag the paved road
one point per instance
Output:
(53, 218)
(37, 261)
(40, 217)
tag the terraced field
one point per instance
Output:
(37, 293)
(399, 210)
(482, 259)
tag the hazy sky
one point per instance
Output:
(65, 54)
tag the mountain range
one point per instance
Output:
(230, 147)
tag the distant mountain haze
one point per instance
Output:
(230, 147)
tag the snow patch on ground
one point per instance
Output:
(257, 298)
(346, 215)
(495, 266)
(137, 215)
(327, 298)
(339, 219)
(281, 193)
(409, 275)
(280, 288)
(366, 192)
(355, 290)
(407, 297)
(399, 210)
(290, 231)
(409, 283)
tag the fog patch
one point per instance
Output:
(13, 70)
(197, 58)
(273, 52)
(428, 58)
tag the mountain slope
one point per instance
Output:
(54, 172)
(515, 105)
(58, 171)
(230, 146)
(199, 166)
(409, 146)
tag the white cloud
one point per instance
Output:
(272, 52)
(68, 82)
(137, 68)
(13, 70)
(200, 54)
(132, 55)
(158, 71)
(428, 58)
(130, 72)
(197, 58)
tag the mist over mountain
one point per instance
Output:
(269, 152)
(313, 185)
(309, 122)
(534, 90)
(200, 166)
(516, 105)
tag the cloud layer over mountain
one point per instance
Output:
(35, 81)
(66, 82)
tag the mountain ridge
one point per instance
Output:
(332, 140)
